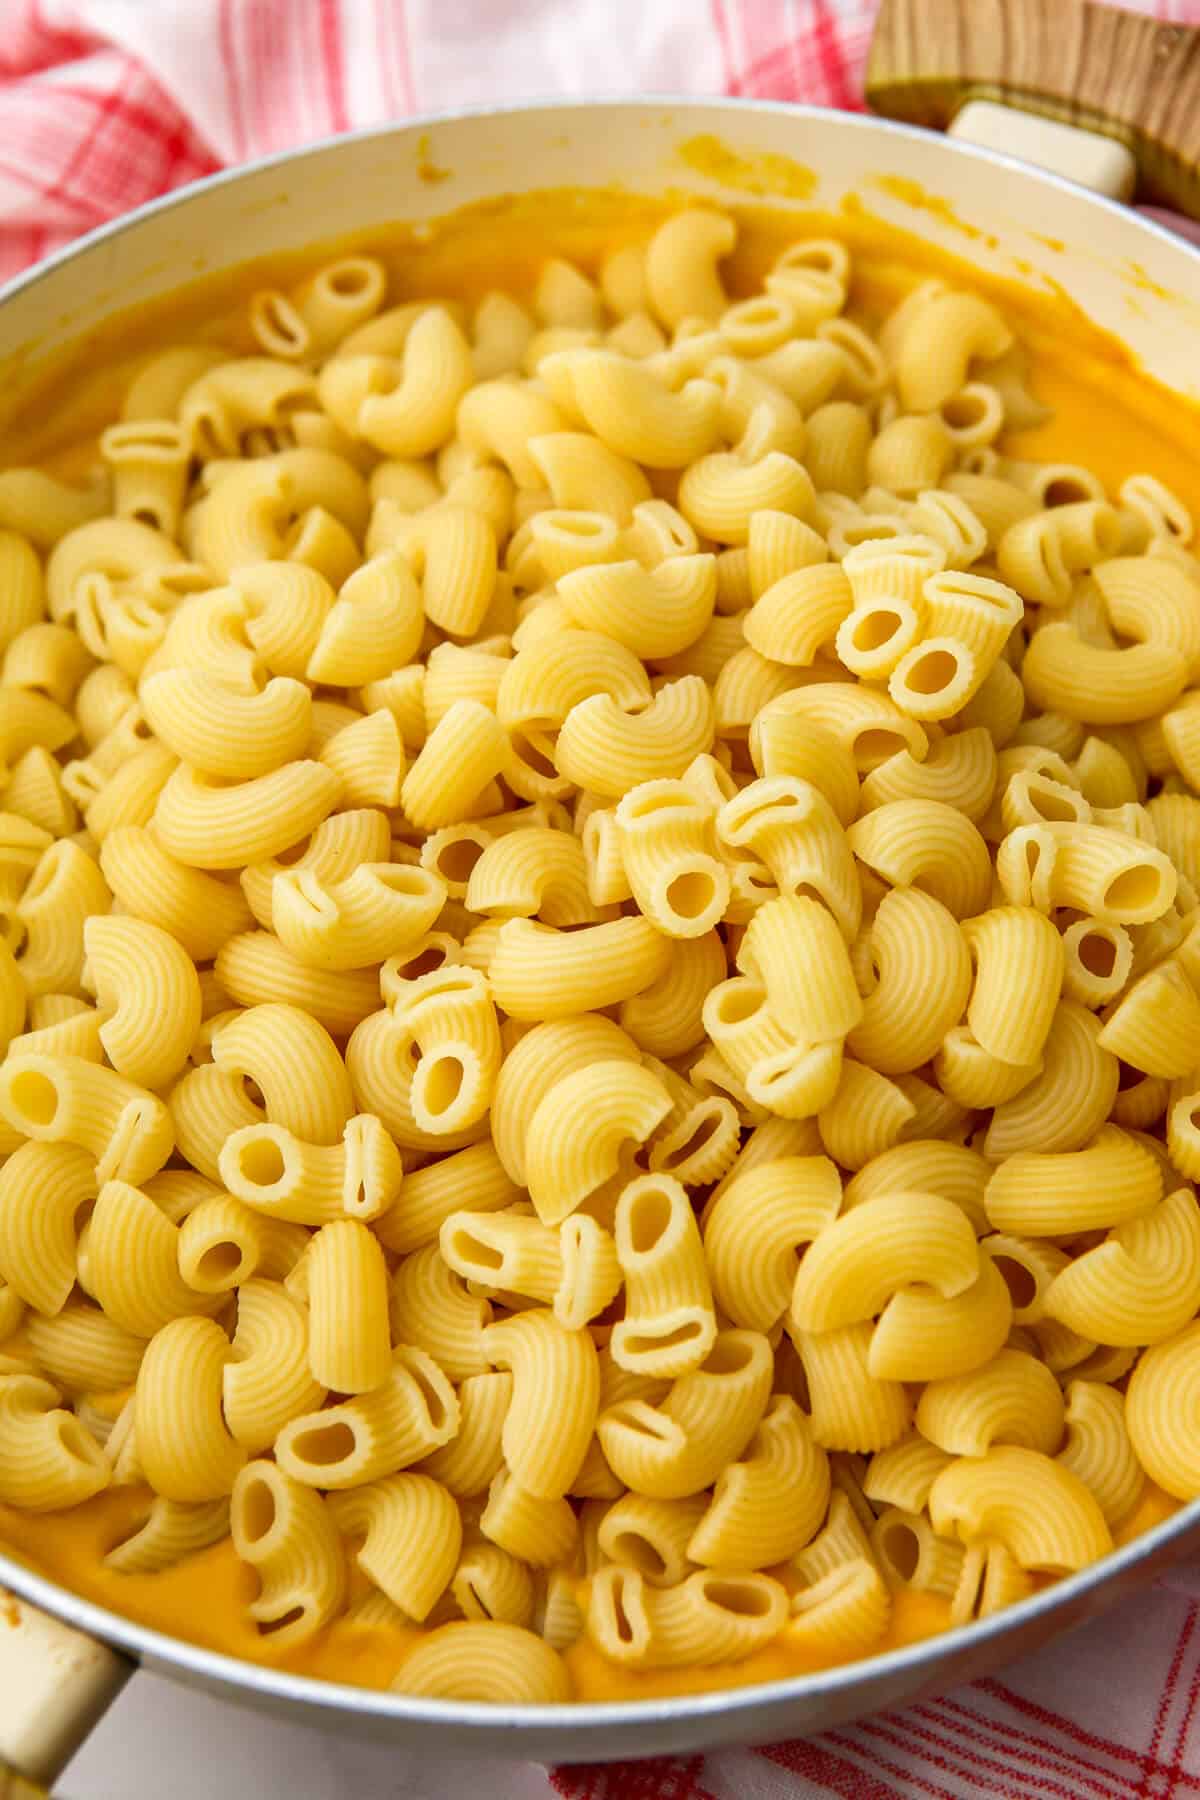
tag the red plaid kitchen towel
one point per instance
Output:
(105, 103)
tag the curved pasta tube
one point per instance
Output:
(711, 1413)
(668, 853)
(541, 684)
(64, 890)
(665, 1019)
(412, 1536)
(844, 1612)
(669, 1324)
(209, 826)
(1099, 1451)
(378, 910)
(1160, 1413)
(133, 1263)
(655, 613)
(199, 911)
(382, 1061)
(1112, 1180)
(451, 1020)
(926, 844)
(756, 1228)
(583, 472)
(82, 1351)
(412, 1414)
(294, 1062)
(1141, 1285)
(285, 605)
(267, 1379)
(337, 847)
(769, 1504)
(1013, 1026)
(169, 1533)
(403, 406)
(1014, 1399)
(711, 1617)
(925, 1337)
(535, 873)
(375, 625)
(681, 266)
(720, 494)
(633, 411)
(922, 977)
(502, 1664)
(42, 1189)
(470, 1463)
(938, 344)
(473, 1180)
(223, 733)
(145, 982)
(183, 1442)
(466, 749)
(902, 1475)
(1043, 1514)
(432, 1308)
(349, 1339)
(555, 1398)
(65, 1099)
(574, 1268)
(281, 1176)
(859, 1261)
(1154, 1024)
(651, 1536)
(48, 1459)
(606, 750)
(287, 1536)
(1064, 1106)
(536, 1064)
(576, 1135)
(1063, 673)
(783, 743)
(790, 826)
(850, 1408)
(540, 973)
(960, 771)
(542, 1533)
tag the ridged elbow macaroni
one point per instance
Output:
(598, 925)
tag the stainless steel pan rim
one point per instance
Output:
(595, 1728)
(213, 1669)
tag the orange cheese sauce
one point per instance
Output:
(1106, 415)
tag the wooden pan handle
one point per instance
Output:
(1120, 74)
(55, 1684)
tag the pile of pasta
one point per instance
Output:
(600, 970)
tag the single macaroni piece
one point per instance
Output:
(183, 1442)
(287, 1535)
(496, 1662)
(412, 1535)
(44, 1188)
(555, 1397)
(679, 1447)
(711, 1617)
(65, 1099)
(756, 1228)
(669, 1325)
(1043, 1514)
(49, 1458)
(577, 1133)
(414, 1412)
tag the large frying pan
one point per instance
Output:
(62, 1658)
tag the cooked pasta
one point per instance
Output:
(599, 976)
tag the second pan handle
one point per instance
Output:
(1131, 80)
(55, 1684)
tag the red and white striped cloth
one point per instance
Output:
(105, 103)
